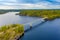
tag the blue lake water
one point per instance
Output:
(49, 30)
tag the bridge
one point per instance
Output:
(32, 24)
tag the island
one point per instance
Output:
(11, 32)
(46, 13)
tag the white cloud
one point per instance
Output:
(31, 6)
(8, 1)
(13, 4)
(7, 7)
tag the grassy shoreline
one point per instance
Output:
(49, 14)
(11, 32)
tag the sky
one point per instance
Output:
(29, 4)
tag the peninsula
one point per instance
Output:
(11, 32)
(46, 13)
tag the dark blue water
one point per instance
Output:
(49, 30)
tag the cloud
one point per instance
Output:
(8, 0)
(6, 7)
(29, 4)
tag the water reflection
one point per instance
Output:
(11, 18)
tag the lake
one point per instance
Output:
(49, 30)
(11, 18)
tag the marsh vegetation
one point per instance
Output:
(11, 32)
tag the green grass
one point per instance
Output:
(10, 32)
(50, 14)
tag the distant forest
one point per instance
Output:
(5, 11)
(50, 14)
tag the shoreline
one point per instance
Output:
(19, 36)
(11, 32)
(48, 14)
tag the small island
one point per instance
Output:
(46, 13)
(11, 32)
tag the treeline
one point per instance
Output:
(9, 10)
(50, 14)
(2, 12)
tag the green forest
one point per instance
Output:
(50, 14)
